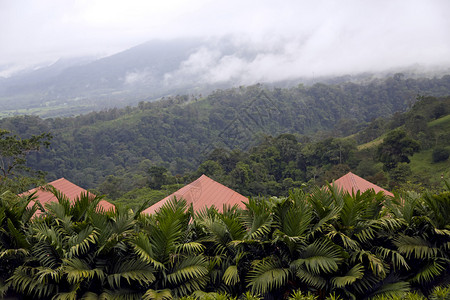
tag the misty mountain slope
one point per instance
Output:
(179, 132)
(152, 70)
(147, 71)
(39, 76)
(146, 63)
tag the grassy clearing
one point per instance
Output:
(443, 122)
(371, 144)
(423, 166)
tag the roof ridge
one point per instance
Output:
(202, 192)
(187, 188)
(353, 181)
(57, 180)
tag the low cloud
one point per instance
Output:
(137, 77)
(324, 52)
(275, 40)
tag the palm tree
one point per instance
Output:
(357, 224)
(167, 243)
(425, 238)
(80, 251)
(15, 218)
(234, 239)
(330, 241)
(301, 256)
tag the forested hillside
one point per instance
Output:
(179, 133)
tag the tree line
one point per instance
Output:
(179, 132)
(277, 164)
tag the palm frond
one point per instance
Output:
(143, 248)
(215, 232)
(375, 264)
(257, 218)
(233, 226)
(51, 239)
(309, 278)
(396, 258)
(72, 295)
(355, 273)
(45, 274)
(157, 295)
(24, 281)
(292, 220)
(389, 224)
(121, 294)
(190, 286)
(17, 235)
(369, 282)
(169, 229)
(63, 201)
(322, 256)
(28, 213)
(80, 243)
(406, 207)
(47, 255)
(324, 206)
(78, 270)
(346, 241)
(367, 233)
(415, 246)
(189, 268)
(13, 253)
(90, 296)
(190, 248)
(391, 290)
(429, 271)
(266, 275)
(231, 275)
(131, 270)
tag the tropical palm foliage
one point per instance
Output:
(323, 245)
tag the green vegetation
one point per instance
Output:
(180, 133)
(305, 243)
(15, 175)
(396, 148)
(440, 154)
(320, 245)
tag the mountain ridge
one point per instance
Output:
(145, 72)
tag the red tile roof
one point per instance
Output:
(351, 182)
(203, 192)
(72, 191)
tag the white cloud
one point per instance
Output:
(293, 37)
(137, 77)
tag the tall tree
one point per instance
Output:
(13, 157)
(396, 148)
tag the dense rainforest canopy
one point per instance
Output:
(181, 133)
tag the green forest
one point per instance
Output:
(245, 125)
(298, 237)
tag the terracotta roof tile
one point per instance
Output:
(351, 182)
(72, 191)
(203, 192)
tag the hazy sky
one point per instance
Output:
(329, 34)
